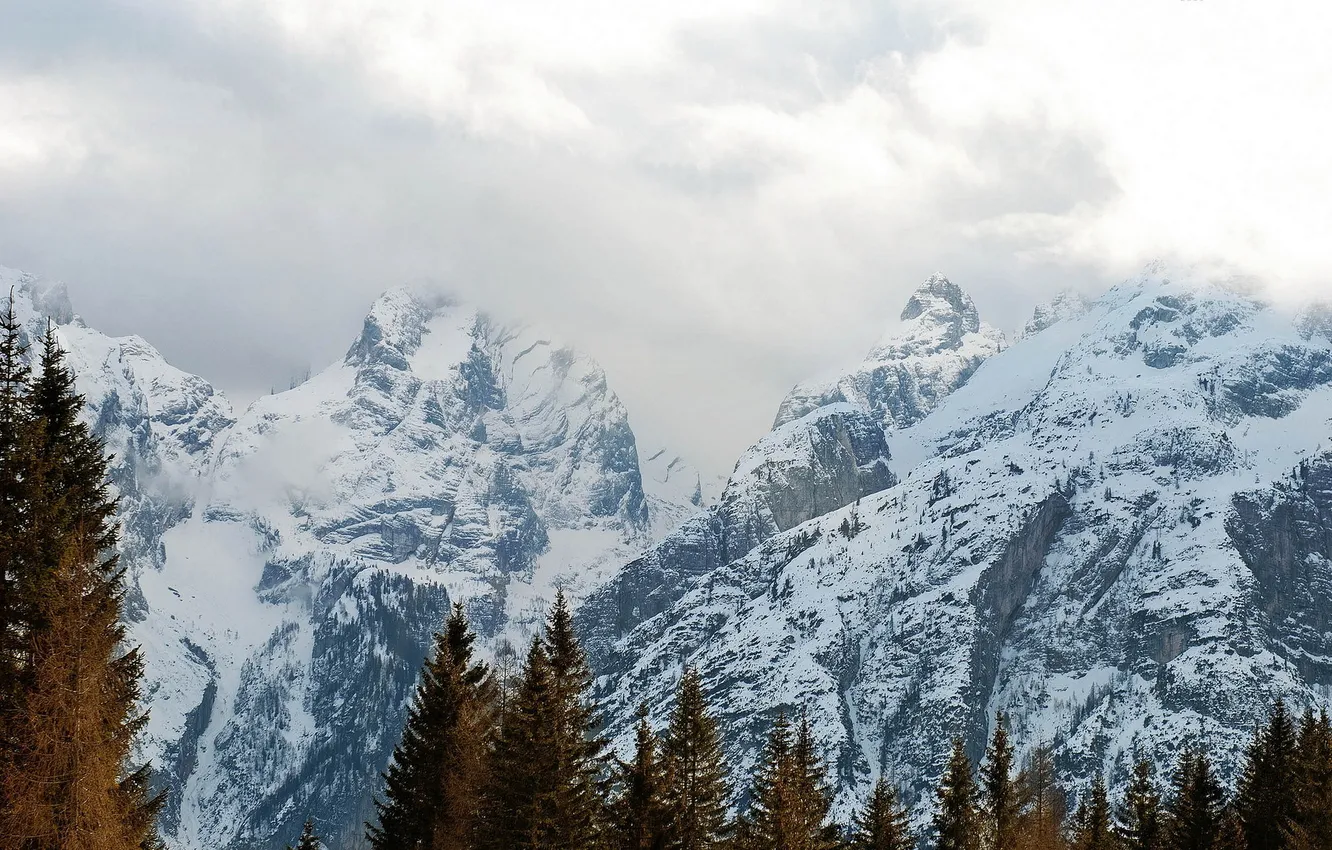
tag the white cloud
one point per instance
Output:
(1211, 116)
(755, 184)
(38, 130)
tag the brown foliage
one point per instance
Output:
(64, 790)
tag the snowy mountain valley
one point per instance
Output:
(1116, 528)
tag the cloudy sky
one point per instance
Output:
(716, 198)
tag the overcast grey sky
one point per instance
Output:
(715, 198)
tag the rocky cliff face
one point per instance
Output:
(1283, 533)
(1116, 532)
(806, 468)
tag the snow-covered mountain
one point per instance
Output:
(289, 565)
(445, 458)
(1117, 531)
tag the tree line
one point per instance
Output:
(68, 686)
(488, 763)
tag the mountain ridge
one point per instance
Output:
(1075, 540)
(1091, 528)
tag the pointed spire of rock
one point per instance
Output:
(939, 301)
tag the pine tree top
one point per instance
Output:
(309, 840)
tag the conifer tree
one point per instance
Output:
(883, 824)
(1139, 818)
(432, 787)
(544, 790)
(72, 465)
(790, 801)
(15, 441)
(1266, 801)
(524, 763)
(1313, 803)
(812, 797)
(309, 840)
(1194, 817)
(66, 788)
(1092, 829)
(1042, 823)
(72, 715)
(697, 791)
(1001, 804)
(770, 823)
(583, 753)
(956, 821)
(640, 813)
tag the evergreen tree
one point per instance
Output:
(812, 797)
(433, 785)
(697, 790)
(771, 821)
(15, 441)
(308, 839)
(524, 763)
(790, 802)
(66, 788)
(1092, 829)
(1041, 824)
(582, 752)
(883, 824)
(1139, 818)
(1001, 804)
(1266, 802)
(72, 464)
(1194, 817)
(1313, 803)
(72, 713)
(957, 821)
(640, 813)
(547, 763)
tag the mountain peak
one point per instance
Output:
(932, 351)
(940, 300)
(939, 312)
(49, 298)
(396, 324)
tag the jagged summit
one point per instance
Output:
(806, 468)
(405, 320)
(939, 308)
(937, 344)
